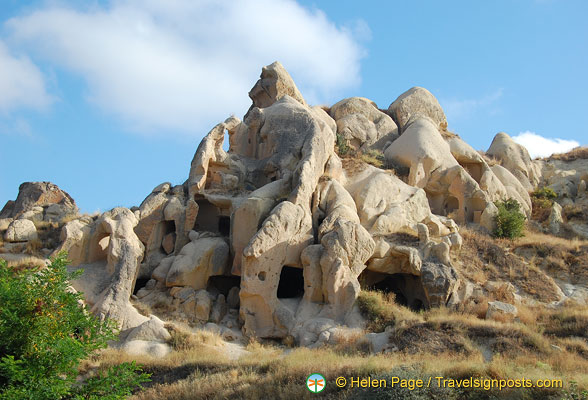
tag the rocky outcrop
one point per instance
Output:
(362, 125)
(516, 159)
(54, 202)
(275, 235)
(415, 103)
(20, 230)
(274, 83)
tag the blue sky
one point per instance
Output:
(110, 98)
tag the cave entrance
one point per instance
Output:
(211, 218)
(168, 238)
(207, 218)
(99, 247)
(451, 204)
(407, 288)
(140, 284)
(291, 283)
(223, 284)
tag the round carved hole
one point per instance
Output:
(261, 276)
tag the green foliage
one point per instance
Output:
(543, 198)
(342, 145)
(45, 333)
(510, 221)
(544, 193)
(374, 157)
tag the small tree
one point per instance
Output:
(510, 221)
(45, 333)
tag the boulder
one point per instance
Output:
(515, 158)
(197, 261)
(439, 282)
(20, 230)
(362, 124)
(219, 309)
(150, 330)
(41, 194)
(555, 218)
(203, 305)
(417, 102)
(502, 311)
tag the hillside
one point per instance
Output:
(348, 240)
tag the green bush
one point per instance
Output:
(544, 193)
(342, 145)
(45, 333)
(510, 221)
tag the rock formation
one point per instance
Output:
(277, 235)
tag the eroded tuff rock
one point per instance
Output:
(42, 201)
(278, 235)
(516, 159)
(362, 125)
(414, 103)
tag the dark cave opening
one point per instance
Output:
(223, 283)
(139, 284)
(405, 287)
(224, 225)
(291, 283)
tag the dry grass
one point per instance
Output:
(575, 212)
(489, 257)
(579, 153)
(20, 261)
(183, 338)
(490, 160)
(561, 258)
(374, 157)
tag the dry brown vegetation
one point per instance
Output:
(437, 342)
(490, 160)
(484, 258)
(579, 153)
(561, 258)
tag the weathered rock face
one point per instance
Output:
(54, 202)
(362, 125)
(20, 230)
(516, 159)
(414, 103)
(457, 180)
(274, 83)
(282, 228)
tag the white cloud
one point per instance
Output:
(539, 146)
(182, 65)
(21, 83)
(461, 108)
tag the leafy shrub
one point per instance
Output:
(45, 333)
(544, 193)
(510, 221)
(542, 200)
(342, 145)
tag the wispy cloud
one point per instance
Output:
(177, 65)
(21, 83)
(540, 146)
(463, 108)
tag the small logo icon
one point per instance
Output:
(315, 383)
